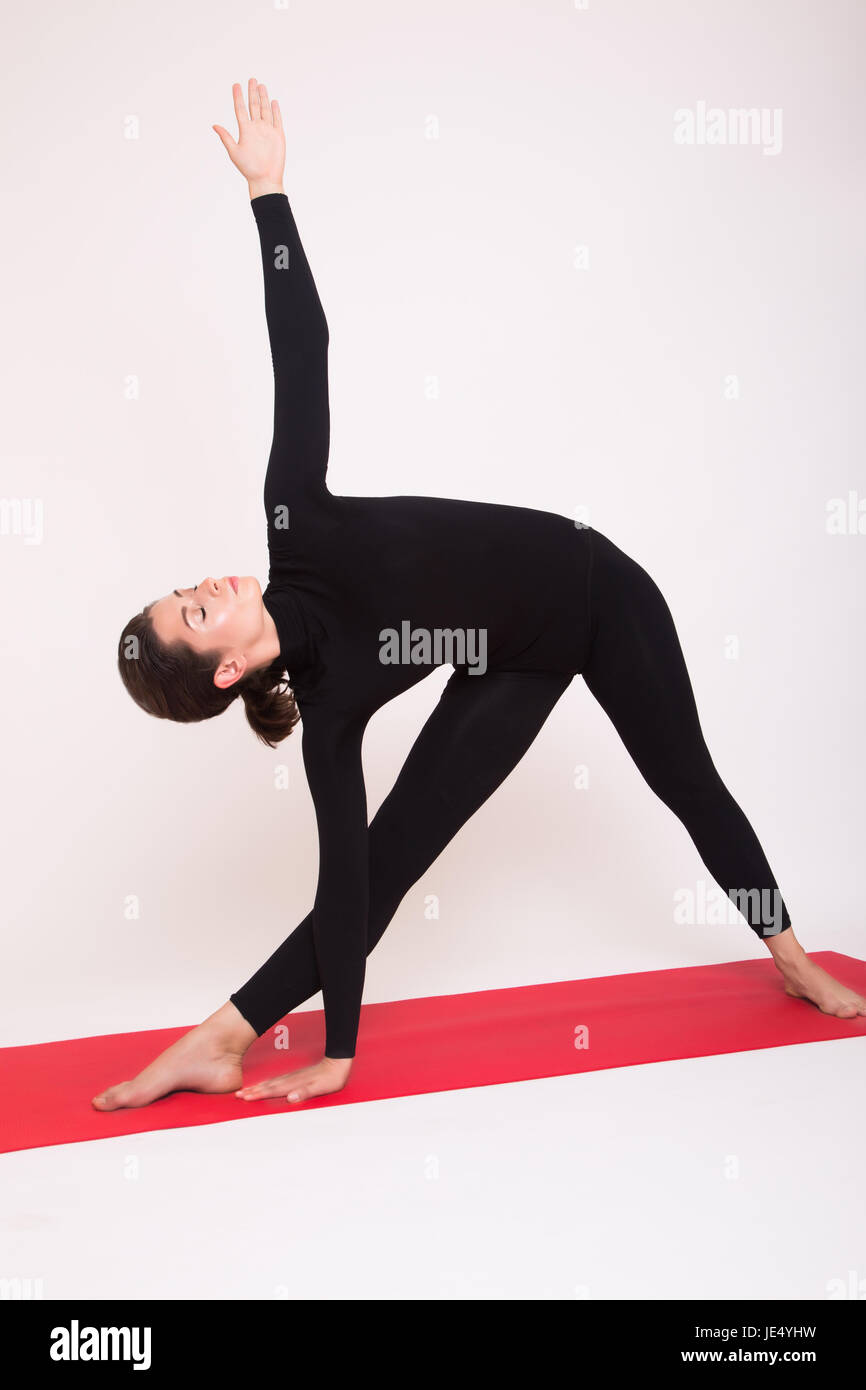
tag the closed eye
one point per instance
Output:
(201, 610)
(192, 591)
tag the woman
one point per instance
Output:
(366, 596)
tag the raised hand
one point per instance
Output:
(260, 149)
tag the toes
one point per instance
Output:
(107, 1100)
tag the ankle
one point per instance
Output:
(785, 949)
(230, 1028)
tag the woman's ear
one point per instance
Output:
(230, 670)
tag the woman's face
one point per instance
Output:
(218, 615)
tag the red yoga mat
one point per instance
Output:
(441, 1043)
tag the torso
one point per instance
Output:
(498, 588)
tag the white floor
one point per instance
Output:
(719, 1177)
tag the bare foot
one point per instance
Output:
(321, 1079)
(208, 1058)
(806, 980)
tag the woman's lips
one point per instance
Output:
(233, 580)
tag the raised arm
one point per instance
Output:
(297, 327)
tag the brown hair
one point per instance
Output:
(175, 682)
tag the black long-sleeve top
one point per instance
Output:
(355, 582)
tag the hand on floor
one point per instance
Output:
(321, 1079)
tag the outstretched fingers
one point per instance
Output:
(322, 1079)
(240, 109)
(228, 141)
(253, 100)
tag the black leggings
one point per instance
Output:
(481, 728)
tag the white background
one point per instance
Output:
(450, 258)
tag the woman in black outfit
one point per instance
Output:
(365, 597)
